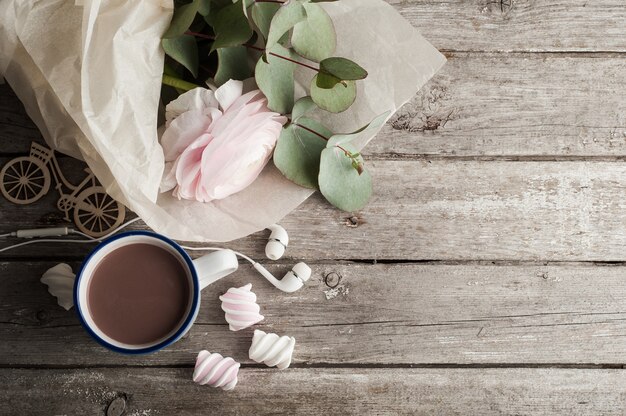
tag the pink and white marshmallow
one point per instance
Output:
(216, 371)
(241, 308)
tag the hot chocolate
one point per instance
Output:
(138, 294)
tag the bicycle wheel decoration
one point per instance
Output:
(27, 179)
(96, 213)
(24, 180)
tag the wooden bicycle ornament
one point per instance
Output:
(27, 179)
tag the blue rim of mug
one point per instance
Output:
(179, 332)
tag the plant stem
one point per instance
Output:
(295, 62)
(256, 48)
(345, 151)
(200, 35)
(269, 1)
(358, 166)
(311, 131)
(178, 83)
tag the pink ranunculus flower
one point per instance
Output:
(216, 143)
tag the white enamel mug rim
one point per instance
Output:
(226, 259)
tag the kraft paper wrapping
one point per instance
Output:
(89, 75)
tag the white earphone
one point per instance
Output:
(275, 248)
(292, 281)
(278, 242)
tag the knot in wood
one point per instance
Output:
(332, 279)
(353, 222)
(42, 316)
(117, 406)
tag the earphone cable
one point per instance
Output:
(88, 239)
(243, 256)
(126, 224)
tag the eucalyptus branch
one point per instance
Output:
(256, 48)
(321, 136)
(200, 35)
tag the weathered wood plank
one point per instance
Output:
(444, 210)
(519, 25)
(378, 314)
(16, 129)
(317, 391)
(478, 105)
(514, 105)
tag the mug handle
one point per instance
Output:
(214, 266)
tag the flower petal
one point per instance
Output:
(220, 146)
(196, 99)
(183, 131)
(228, 93)
(188, 168)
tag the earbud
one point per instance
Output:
(293, 280)
(278, 242)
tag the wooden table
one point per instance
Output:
(486, 276)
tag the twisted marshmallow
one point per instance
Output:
(60, 281)
(216, 371)
(271, 349)
(241, 308)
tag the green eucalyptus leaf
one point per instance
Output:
(302, 107)
(342, 68)
(183, 49)
(231, 27)
(262, 14)
(232, 63)
(326, 81)
(336, 99)
(314, 38)
(182, 19)
(204, 7)
(340, 182)
(275, 78)
(245, 5)
(361, 135)
(297, 153)
(284, 20)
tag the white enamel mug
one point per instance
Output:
(201, 272)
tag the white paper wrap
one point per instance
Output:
(89, 75)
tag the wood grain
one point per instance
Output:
(466, 174)
(525, 105)
(376, 315)
(16, 129)
(519, 25)
(439, 210)
(147, 391)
